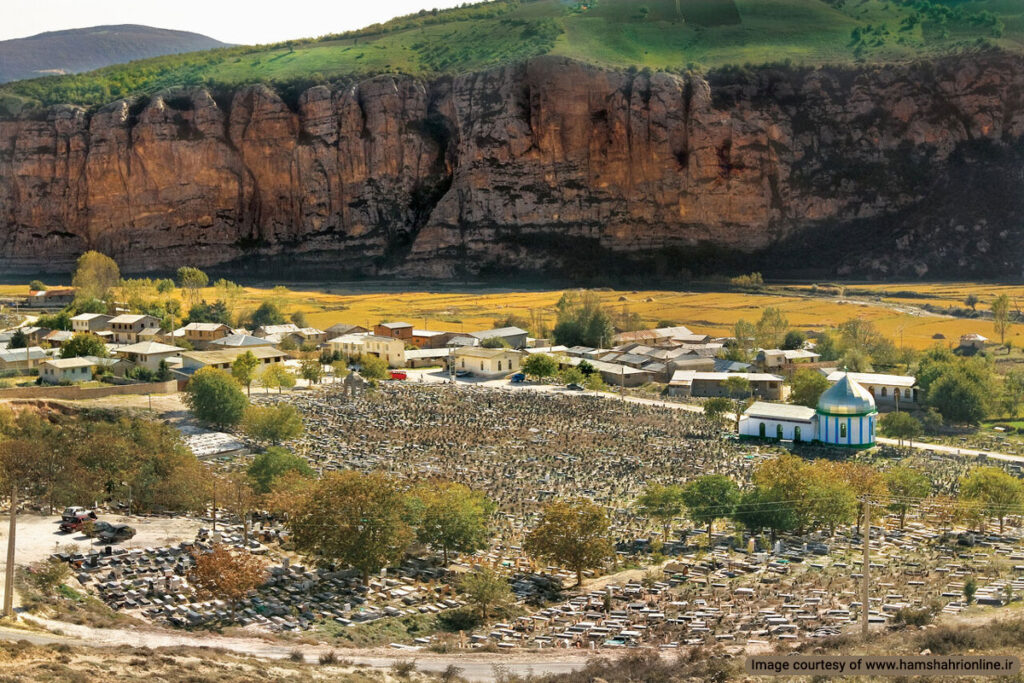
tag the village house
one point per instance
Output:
(57, 337)
(50, 298)
(305, 335)
(339, 329)
(201, 335)
(712, 384)
(425, 358)
(191, 361)
(513, 336)
(490, 363)
(148, 354)
(91, 322)
(233, 341)
(70, 370)
(975, 342)
(389, 349)
(774, 359)
(21, 360)
(130, 328)
(397, 330)
(34, 335)
(269, 330)
(888, 391)
(430, 339)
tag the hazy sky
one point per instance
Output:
(251, 21)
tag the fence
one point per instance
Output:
(79, 393)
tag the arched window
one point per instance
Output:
(796, 433)
(906, 393)
(871, 390)
(760, 430)
(842, 430)
(883, 391)
(778, 432)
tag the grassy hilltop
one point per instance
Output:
(659, 34)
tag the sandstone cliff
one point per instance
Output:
(549, 166)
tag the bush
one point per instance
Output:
(404, 668)
(328, 658)
(908, 616)
(47, 576)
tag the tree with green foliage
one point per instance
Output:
(994, 492)
(907, 487)
(37, 286)
(901, 426)
(272, 424)
(495, 343)
(339, 368)
(165, 286)
(202, 312)
(95, 276)
(581, 320)
(55, 321)
(267, 314)
(710, 497)
(243, 369)
(84, 344)
(18, 340)
(311, 370)
(770, 329)
(715, 409)
(827, 346)
(856, 360)
(353, 519)
(594, 382)
(794, 339)
(214, 396)
(1013, 392)
(1001, 316)
(486, 589)
(971, 301)
(273, 463)
(451, 517)
(661, 503)
(540, 365)
(765, 508)
(960, 396)
(192, 279)
(373, 367)
(276, 376)
(572, 375)
(572, 533)
(808, 386)
(970, 588)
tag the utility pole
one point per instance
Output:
(865, 582)
(9, 575)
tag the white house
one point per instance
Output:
(148, 354)
(483, 362)
(887, 390)
(60, 370)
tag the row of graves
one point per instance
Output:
(153, 583)
(746, 596)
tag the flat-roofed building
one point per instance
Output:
(780, 421)
(887, 390)
(389, 349)
(148, 354)
(191, 361)
(484, 362)
(60, 370)
(201, 335)
(91, 322)
(515, 337)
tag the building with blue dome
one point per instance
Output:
(846, 416)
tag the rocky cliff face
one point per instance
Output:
(549, 166)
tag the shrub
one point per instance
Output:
(908, 616)
(296, 656)
(404, 668)
(328, 658)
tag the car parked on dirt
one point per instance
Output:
(116, 533)
(78, 521)
(73, 512)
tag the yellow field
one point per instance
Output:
(704, 312)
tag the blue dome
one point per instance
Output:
(846, 397)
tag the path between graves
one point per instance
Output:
(477, 667)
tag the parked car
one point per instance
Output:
(518, 378)
(117, 533)
(77, 523)
(73, 512)
(463, 373)
(96, 528)
(398, 374)
(574, 387)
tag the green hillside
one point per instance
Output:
(660, 34)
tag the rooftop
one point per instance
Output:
(780, 411)
(874, 378)
(498, 332)
(481, 352)
(846, 397)
(127, 319)
(148, 348)
(62, 363)
(216, 357)
(395, 326)
(204, 327)
(234, 340)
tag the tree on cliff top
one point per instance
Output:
(95, 275)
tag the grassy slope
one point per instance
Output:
(618, 33)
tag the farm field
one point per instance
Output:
(708, 312)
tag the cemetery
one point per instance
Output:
(523, 449)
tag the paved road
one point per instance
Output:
(966, 452)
